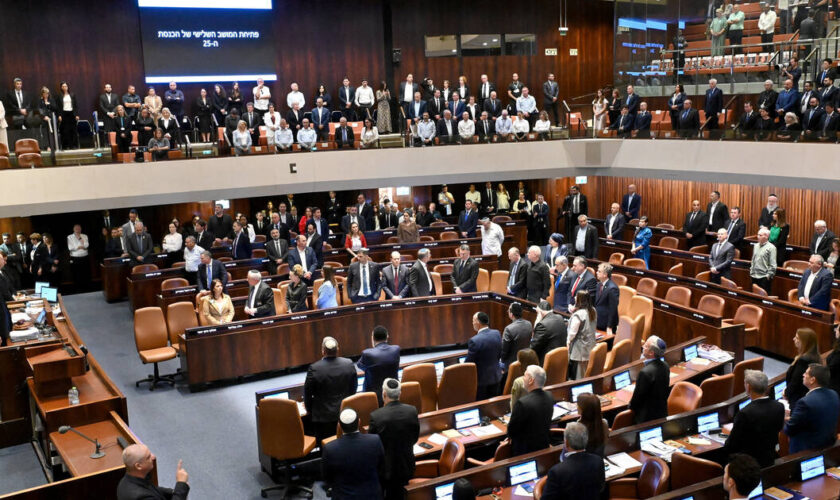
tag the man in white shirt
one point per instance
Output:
(192, 258)
(767, 24)
(284, 137)
(425, 132)
(741, 475)
(307, 137)
(466, 129)
(504, 127)
(445, 199)
(407, 90)
(492, 237)
(364, 99)
(77, 245)
(528, 105)
(262, 96)
(295, 96)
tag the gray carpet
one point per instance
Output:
(20, 468)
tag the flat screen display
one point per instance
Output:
(444, 491)
(690, 352)
(51, 294)
(654, 434)
(707, 422)
(622, 380)
(522, 473)
(580, 389)
(39, 285)
(469, 418)
(189, 41)
(812, 467)
(779, 390)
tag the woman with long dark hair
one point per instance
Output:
(581, 336)
(220, 104)
(589, 409)
(807, 352)
(68, 117)
(383, 108)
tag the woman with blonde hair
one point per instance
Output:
(216, 308)
(526, 358)
(296, 291)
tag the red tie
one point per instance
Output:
(574, 288)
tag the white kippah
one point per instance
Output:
(348, 416)
(330, 343)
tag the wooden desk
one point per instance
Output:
(75, 450)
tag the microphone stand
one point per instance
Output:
(98, 453)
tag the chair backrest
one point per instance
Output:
(669, 242)
(451, 457)
(26, 146)
(260, 238)
(556, 365)
(443, 268)
(330, 263)
(4, 149)
(711, 304)
(482, 283)
(635, 263)
(364, 403)
(179, 317)
(796, 265)
(498, 281)
(448, 235)
(502, 218)
(616, 258)
(426, 237)
(258, 253)
(179, 264)
(411, 394)
(437, 282)
(699, 249)
(684, 396)
(748, 314)
(676, 269)
(665, 225)
(144, 268)
(539, 487)
(225, 259)
(597, 357)
(424, 374)
(644, 306)
(150, 329)
(687, 470)
(793, 296)
(619, 279)
(514, 370)
(280, 428)
(341, 282)
(5, 164)
(283, 269)
(457, 386)
(316, 285)
(625, 295)
(653, 479)
(756, 363)
(624, 419)
(716, 389)
(438, 224)
(619, 355)
(174, 283)
(393, 239)
(704, 276)
(647, 286)
(29, 160)
(280, 306)
(679, 295)
(758, 290)
(728, 283)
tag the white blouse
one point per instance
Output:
(172, 242)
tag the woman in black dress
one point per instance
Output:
(145, 126)
(808, 352)
(204, 110)
(169, 125)
(123, 125)
(779, 231)
(68, 117)
(51, 261)
(614, 107)
(220, 104)
(235, 99)
(323, 94)
(296, 291)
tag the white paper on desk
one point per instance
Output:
(624, 461)
(629, 388)
(418, 450)
(486, 430)
(301, 408)
(612, 470)
(522, 492)
(728, 427)
(438, 439)
(558, 412)
(701, 362)
(674, 375)
(23, 334)
(18, 316)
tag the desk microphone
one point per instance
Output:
(98, 453)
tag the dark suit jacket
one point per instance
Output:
(825, 244)
(537, 281)
(367, 213)
(467, 223)
(530, 421)
(379, 362)
(590, 246)
(494, 108)
(354, 280)
(633, 207)
(713, 103)
(721, 257)
(689, 122)
(484, 349)
(739, 230)
(550, 333)
(491, 130)
(218, 271)
(813, 421)
(345, 96)
(756, 430)
(618, 225)
(748, 123)
(263, 302)
(418, 282)
(133, 248)
(113, 248)
(133, 488)
(12, 108)
(345, 223)
(766, 218)
(820, 293)
(220, 227)
(402, 282)
(830, 124)
(650, 398)
(696, 227)
(108, 105)
(812, 119)
(241, 248)
(293, 258)
(351, 465)
(397, 426)
(435, 107)
(518, 288)
(623, 124)
(388, 219)
(720, 216)
(410, 109)
(583, 205)
(205, 240)
(464, 275)
(443, 132)
(474, 111)
(580, 475)
(516, 336)
(588, 282)
(328, 381)
(562, 285)
(317, 246)
(339, 136)
(291, 119)
(642, 125)
(273, 253)
(606, 304)
(457, 109)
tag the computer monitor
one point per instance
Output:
(622, 380)
(779, 390)
(439, 368)
(757, 492)
(580, 389)
(742, 404)
(654, 434)
(444, 491)
(39, 285)
(360, 384)
(707, 422)
(468, 418)
(279, 395)
(399, 374)
(462, 359)
(811, 468)
(690, 352)
(522, 473)
(51, 294)
(42, 316)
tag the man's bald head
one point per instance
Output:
(138, 460)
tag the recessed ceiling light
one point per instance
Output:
(495, 39)
(485, 43)
(454, 50)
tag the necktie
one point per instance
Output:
(513, 274)
(140, 243)
(344, 134)
(20, 99)
(209, 274)
(691, 219)
(365, 288)
(253, 296)
(685, 113)
(396, 279)
(731, 225)
(235, 242)
(600, 289)
(574, 288)
(277, 246)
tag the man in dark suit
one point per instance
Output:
(464, 272)
(517, 272)
(388, 219)
(19, 105)
(537, 279)
(539, 220)
(713, 106)
(414, 109)
(420, 283)
(614, 223)
(581, 474)
(365, 211)
(485, 349)
(515, 337)
(631, 203)
(650, 397)
(813, 420)
(642, 123)
(756, 427)
(489, 197)
(304, 255)
(563, 279)
(436, 106)
(113, 248)
(721, 256)
(139, 463)
(363, 279)
(322, 226)
(210, 269)
(351, 218)
(456, 106)
(328, 382)
(574, 205)
(812, 118)
(276, 250)
(379, 362)
(294, 118)
(352, 464)
(736, 229)
(689, 120)
(139, 245)
(551, 93)
(108, 102)
(585, 238)
(747, 123)
(828, 92)
(485, 128)
(695, 225)
(260, 302)
(493, 106)
(468, 220)
(485, 90)
(397, 426)
(632, 101)
(623, 125)
(279, 225)
(346, 97)
(815, 285)
(315, 242)
(549, 331)
(321, 119)
(717, 212)
(606, 298)
(530, 418)
(241, 244)
(408, 91)
(344, 137)
(821, 241)
(766, 217)
(395, 278)
(220, 224)
(335, 209)
(830, 123)
(447, 129)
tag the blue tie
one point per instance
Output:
(365, 288)
(685, 113)
(209, 275)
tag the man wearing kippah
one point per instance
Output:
(397, 425)
(328, 382)
(650, 397)
(351, 464)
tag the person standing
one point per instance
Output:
(351, 465)
(485, 349)
(530, 419)
(397, 426)
(813, 420)
(756, 428)
(551, 92)
(650, 397)
(641, 241)
(328, 381)
(77, 246)
(580, 474)
(763, 265)
(581, 334)
(606, 299)
(549, 331)
(383, 109)
(721, 256)
(380, 362)
(516, 336)
(464, 272)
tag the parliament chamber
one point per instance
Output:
(225, 304)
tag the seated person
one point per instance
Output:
(521, 127)
(745, 128)
(231, 123)
(830, 123)
(370, 135)
(343, 135)
(242, 139)
(307, 137)
(216, 308)
(504, 127)
(296, 291)
(284, 138)
(543, 126)
(466, 128)
(159, 146)
(425, 133)
(791, 129)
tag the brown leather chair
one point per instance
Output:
(225, 259)
(679, 295)
(393, 239)
(502, 453)
(793, 296)
(619, 279)
(728, 283)
(280, 306)
(448, 235)
(458, 385)
(750, 316)
(556, 366)
(619, 355)
(5, 163)
(635, 263)
(625, 296)
(152, 341)
(439, 224)
(684, 396)
(341, 282)
(669, 242)
(259, 238)
(700, 249)
(411, 394)
(179, 264)
(704, 276)
(4, 150)
(258, 253)
(514, 370)
(633, 222)
(665, 225)
(711, 305)
(597, 358)
(687, 470)
(756, 363)
(23, 146)
(758, 290)
(482, 283)
(438, 282)
(799, 266)
(653, 480)
(644, 306)
(624, 419)
(676, 269)
(443, 268)
(329, 263)
(451, 460)
(501, 218)
(143, 268)
(616, 258)
(716, 389)
(835, 309)
(280, 435)
(631, 329)
(30, 160)
(327, 246)
(424, 374)
(316, 285)
(427, 237)
(647, 286)
(498, 281)
(171, 283)
(364, 403)
(179, 317)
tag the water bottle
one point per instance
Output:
(73, 395)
